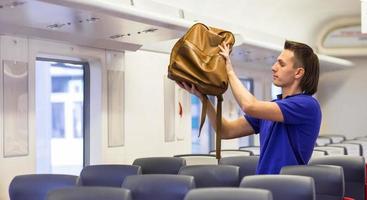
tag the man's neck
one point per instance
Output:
(290, 91)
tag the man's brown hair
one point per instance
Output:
(308, 60)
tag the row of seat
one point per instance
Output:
(325, 145)
(128, 176)
(179, 187)
(339, 145)
(105, 193)
(163, 186)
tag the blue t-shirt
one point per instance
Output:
(290, 142)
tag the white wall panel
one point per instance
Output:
(342, 97)
(145, 108)
(14, 48)
(364, 16)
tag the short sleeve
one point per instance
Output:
(254, 122)
(299, 110)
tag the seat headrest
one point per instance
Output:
(353, 166)
(213, 175)
(106, 175)
(229, 194)
(36, 186)
(329, 179)
(158, 186)
(160, 165)
(90, 193)
(283, 187)
(247, 164)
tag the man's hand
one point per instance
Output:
(191, 89)
(225, 51)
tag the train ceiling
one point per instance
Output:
(110, 24)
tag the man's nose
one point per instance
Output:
(274, 68)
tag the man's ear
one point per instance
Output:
(300, 72)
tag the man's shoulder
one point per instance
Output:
(303, 98)
(302, 101)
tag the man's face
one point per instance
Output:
(284, 72)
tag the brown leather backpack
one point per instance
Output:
(195, 59)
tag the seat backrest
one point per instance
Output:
(329, 179)
(363, 144)
(106, 175)
(283, 187)
(335, 138)
(89, 193)
(36, 186)
(213, 175)
(333, 151)
(229, 194)
(354, 172)
(199, 159)
(232, 152)
(322, 141)
(247, 164)
(160, 165)
(319, 153)
(254, 149)
(352, 149)
(159, 186)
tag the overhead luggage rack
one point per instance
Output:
(113, 25)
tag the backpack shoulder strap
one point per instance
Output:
(203, 113)
(218, 122)
(218, 138)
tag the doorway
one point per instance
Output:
(61, 114)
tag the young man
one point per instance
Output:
(289, 125)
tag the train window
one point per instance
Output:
(275, 91)
(206, 141)
(58, 120)
(60, 101)
(250, 140)
(203, 143)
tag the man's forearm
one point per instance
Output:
(243, 97)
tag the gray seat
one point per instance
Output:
(333, 150)
(363, 144)
(106, 175)
(335, 138)
(247, 164)
(319, 153)
(329, 179)
(36, 186)
(89, 193)
(199, 159)
(351, 149)
(322, 141)
(229, 194)
(213, 175)
(283, 187)
(254, 149)
(354, 173)
(159, 186)
(160, 165)
(232, 152)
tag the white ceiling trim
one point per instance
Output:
(364, 15)
(126, 12)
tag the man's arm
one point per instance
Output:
(248, 103)
(230, 129)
